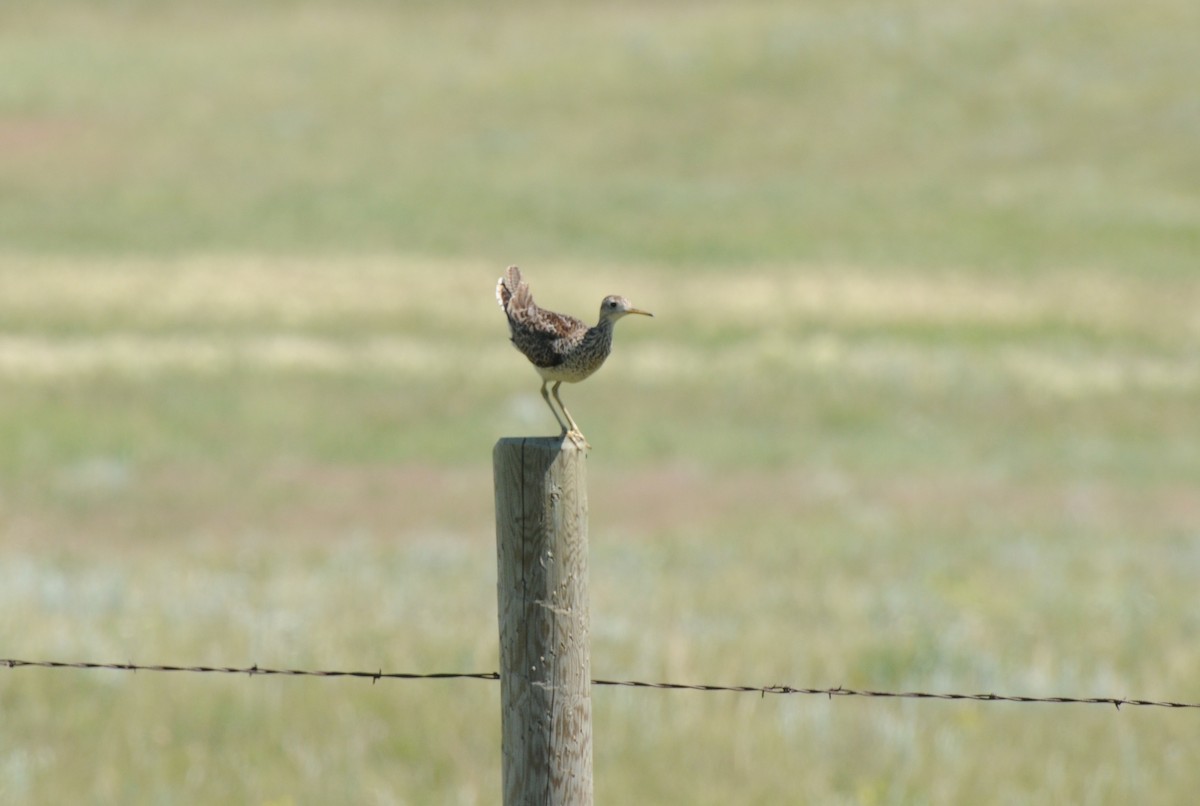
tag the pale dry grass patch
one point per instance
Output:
(290, 291)
(144, 317)
(459, 294)
(1055, 373)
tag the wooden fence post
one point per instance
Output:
(545, 654)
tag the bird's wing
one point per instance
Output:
(545, 336)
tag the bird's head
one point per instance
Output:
(614, 307)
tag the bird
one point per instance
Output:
(561, 348)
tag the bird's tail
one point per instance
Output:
(512, 292)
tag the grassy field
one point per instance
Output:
(917, 134)
(918, 410)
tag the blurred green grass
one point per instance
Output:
(914, 134)
(917, 411)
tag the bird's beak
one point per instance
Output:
(639, 310)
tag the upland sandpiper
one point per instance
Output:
(561, 348)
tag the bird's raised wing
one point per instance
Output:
(543, 336)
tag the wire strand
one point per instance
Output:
(839, 691)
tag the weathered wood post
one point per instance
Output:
(545, 654)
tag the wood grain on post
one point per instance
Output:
(545, 655)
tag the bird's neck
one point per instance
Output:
(602, 333)
(604, 326)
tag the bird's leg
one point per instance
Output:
(575, 434)
(546, 397)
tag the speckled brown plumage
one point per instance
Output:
(561, 348)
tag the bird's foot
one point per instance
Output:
(576, 436)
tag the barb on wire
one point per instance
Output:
(839, 691)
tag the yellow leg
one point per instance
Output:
(546, 397)
(575, 434)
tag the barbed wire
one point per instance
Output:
(251, 671)
(839, 691)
